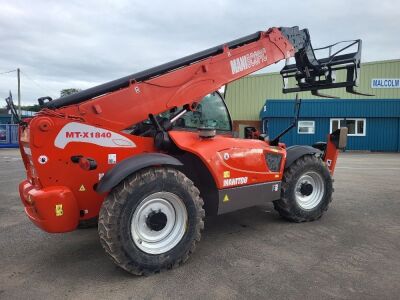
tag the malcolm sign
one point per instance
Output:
(385, 83)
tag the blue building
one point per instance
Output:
(374, 125)
(373, 121)
(8, 130)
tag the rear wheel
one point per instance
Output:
(306, 190)
(151, 221)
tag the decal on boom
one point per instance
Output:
(248, 61)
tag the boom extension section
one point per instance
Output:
(147, 74)
(185, 81)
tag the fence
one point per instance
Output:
(8, 135)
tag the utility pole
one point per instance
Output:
(19, 93)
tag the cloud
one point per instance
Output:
(63, 44)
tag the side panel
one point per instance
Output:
(246, 196)
(232, 162)
(48, 144)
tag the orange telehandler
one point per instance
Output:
(150, 154)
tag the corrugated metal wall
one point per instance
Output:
(382, 134)
(245, 97)
(382, 121)
(5, 119)
(333, 108)
(8, 135)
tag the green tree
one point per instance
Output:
(70, 91)
(34, 107)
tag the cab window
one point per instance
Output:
(211, 112)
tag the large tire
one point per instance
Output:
(306, 190)
(141, 210)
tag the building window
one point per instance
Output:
(356, 126)
(306, 127)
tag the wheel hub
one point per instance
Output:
(306, 189)
(156, 220)
(309, 190)
(159, 223)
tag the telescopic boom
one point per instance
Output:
(187, 80)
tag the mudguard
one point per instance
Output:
(131, 165)
(297, 151)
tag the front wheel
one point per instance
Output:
(151, 221)
(306, 190)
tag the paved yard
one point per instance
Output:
(353, 252)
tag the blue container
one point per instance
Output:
(8, 136)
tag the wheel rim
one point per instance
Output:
(159, 223)
(309, 190)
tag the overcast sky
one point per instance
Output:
(65, 44)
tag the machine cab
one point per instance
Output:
(211, 113)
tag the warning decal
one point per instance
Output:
(226, 198)
(59, 210)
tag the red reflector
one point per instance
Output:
(84, 163)
(87, 163)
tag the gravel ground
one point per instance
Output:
(353, 252)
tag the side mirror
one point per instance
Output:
(339, 137)
(251, 132)
(343, 137)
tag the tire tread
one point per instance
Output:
(286, 206)
(108, 218)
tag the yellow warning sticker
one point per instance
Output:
(226, 198)
(29, 200)
(59, 210)
(82, 188)
(227, 174)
